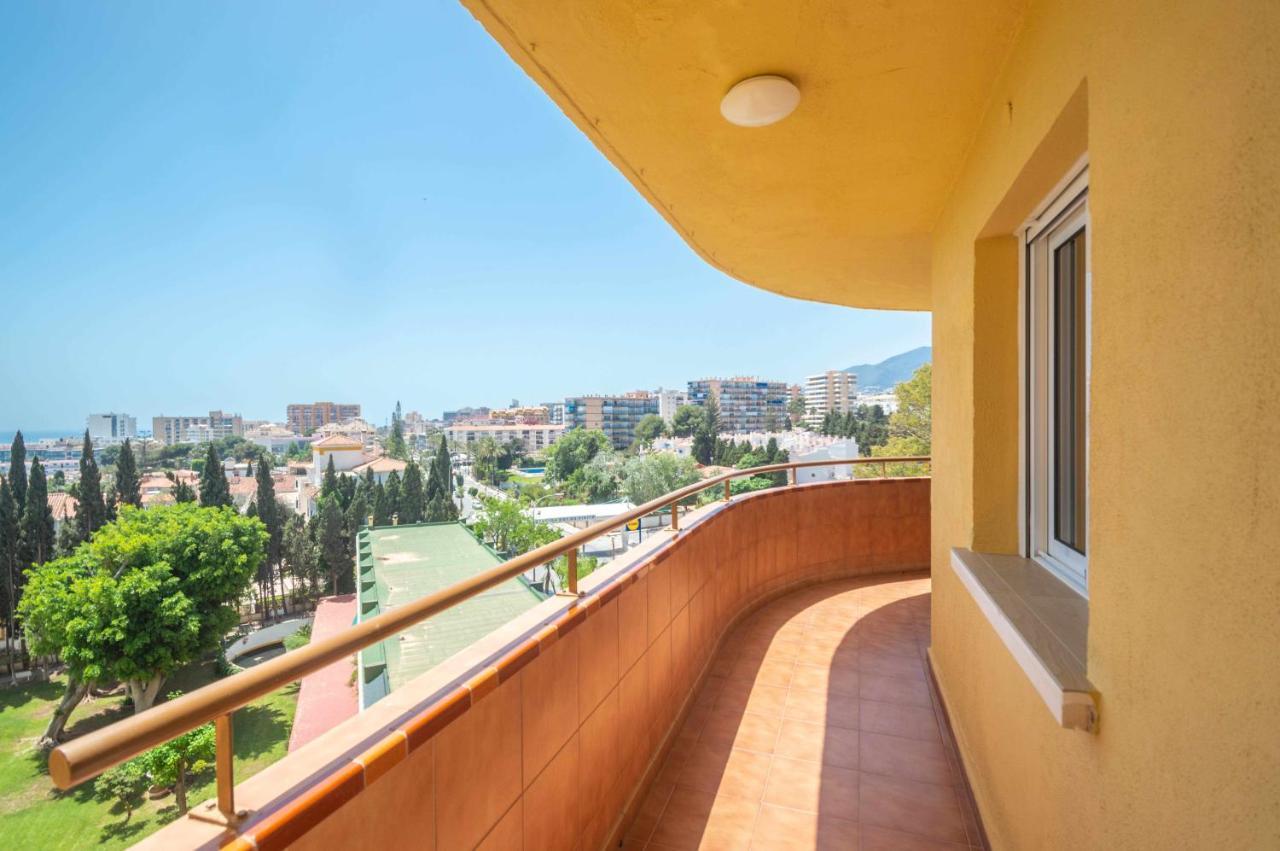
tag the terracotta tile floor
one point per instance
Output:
(816, 728)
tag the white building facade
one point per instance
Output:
(827, 392)
(111, 428)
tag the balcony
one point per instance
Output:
(757, 669)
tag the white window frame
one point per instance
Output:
(1063, 214)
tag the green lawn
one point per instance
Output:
(35, 815)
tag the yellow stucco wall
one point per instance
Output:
(1183, 135)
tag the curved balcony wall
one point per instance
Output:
(548, 731)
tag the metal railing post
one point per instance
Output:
(727, 493)
(223, 810)
(791, 475)
(675, 517)
(884, 469)
(571, 570)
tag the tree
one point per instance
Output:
(125, 785)
(214, 490)
(574, 451)
(92, 511)
(172, 763)
(910, 427)
(381, 510)
(413, 503)
(269, 514)
(439, 493)
(648, 477)
(597, 480)
(183, 492)
(300, 555)
(128, 487)
(650, 428)
(395, 444)
(37, 520)
(329, 484)
(333, 542)
(485, 455)
(149, 593)
(393, 493)
(18, 471)
(685, 421)
(10, 540)
(796, 410)
(707, 431)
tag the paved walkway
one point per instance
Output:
(817, 728)
(327, 696)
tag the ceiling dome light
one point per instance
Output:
(757, 101)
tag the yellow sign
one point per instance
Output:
(633, 525)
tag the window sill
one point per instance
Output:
(1042, 622)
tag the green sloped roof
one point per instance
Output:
(410, 562)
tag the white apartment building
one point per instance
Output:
(887, 401)
(532, 437)
(111, 428)
(833, 390)
(669, 401)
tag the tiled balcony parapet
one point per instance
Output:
(550, 730)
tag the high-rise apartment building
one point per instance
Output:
(746, 403)
(304, 418)
(616, 416)
(111, 428)
(827, 392)
(217, 425)
(669, 401)
(526, 415)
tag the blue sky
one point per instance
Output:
(238, 205)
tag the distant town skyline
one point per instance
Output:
(351, 205)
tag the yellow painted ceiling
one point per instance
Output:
(836, 202)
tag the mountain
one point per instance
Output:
(888, 372)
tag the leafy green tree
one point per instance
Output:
(650, 428)
(18, 471)
(333, 545)
(511, 529)
(37, 519)
(214, 490)
(128, 486)
(910, 427)
(91, 513)
(413, 502)
(485, 460)
(647, 477)
(125, 786)
(574, 451)
(597, 480)
(686, 419)
(173, 763)
(149, 593)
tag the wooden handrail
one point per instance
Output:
(89, 755)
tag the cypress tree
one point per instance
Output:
(381, 512)
(440, 505)
(37, 520)
(214, 490)
(182, 492)
(269, 514)
(128, 485)
(18, 471)
(393, 493)
(357, 515)
(92, 513)
(333, 545)
(412, 500)
(9, 541)
(329, 487)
